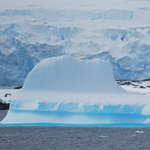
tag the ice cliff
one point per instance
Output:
(117, 31)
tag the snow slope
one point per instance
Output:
(64, 90)
(117, 31)
(141, 86)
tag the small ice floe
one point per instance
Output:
(139, 132)
(103, 136)
(133, 134)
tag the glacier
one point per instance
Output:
(31, 31)
(65, 90)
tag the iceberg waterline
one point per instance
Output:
(65, 90)
(76, 113)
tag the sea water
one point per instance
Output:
(60, 137)
(74, 138)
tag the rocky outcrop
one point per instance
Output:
(4, 106)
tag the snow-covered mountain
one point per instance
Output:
(117, 31)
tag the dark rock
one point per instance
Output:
(146, 80)
(123, 82)
(134, 85)
(18, 87)
(4, 106)
(142, 87)
(136, 81)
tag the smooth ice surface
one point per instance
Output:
(68, 74)
(65, 90)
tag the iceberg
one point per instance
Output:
(65, 90)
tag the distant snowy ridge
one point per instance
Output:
(140, 86)
(117, 31)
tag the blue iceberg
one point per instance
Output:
(65, 90)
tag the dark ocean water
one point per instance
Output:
(73, 138)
